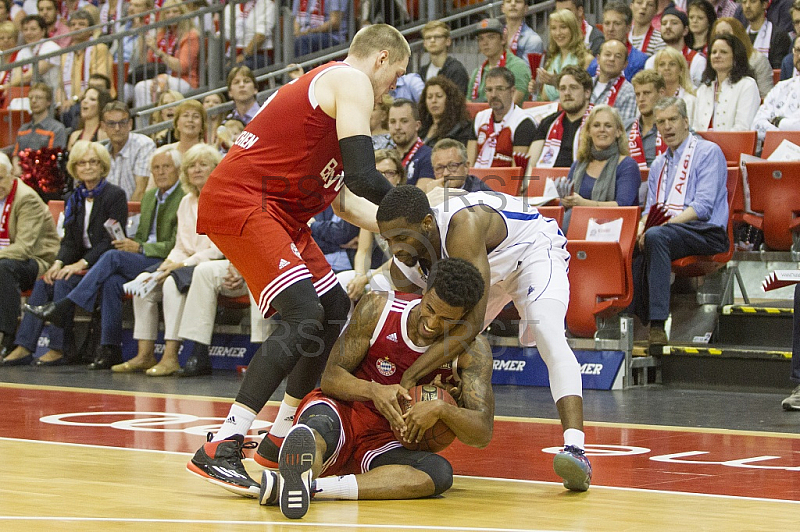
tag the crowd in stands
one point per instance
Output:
(630, 93)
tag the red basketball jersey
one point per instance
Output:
(391, 351)
(287, 161)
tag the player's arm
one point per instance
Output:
(462, 244)
(356, 210)
(346, 95)
(473, 420)
(349, 351)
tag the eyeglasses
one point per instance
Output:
(390, 174)
(450, 167)
(110, 124)
(90, 162)
(496, 89)
(434, 37)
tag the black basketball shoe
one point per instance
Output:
(220, 463)
(295, 461)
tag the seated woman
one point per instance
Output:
(190, 250)
(702, 16)
(762, 69)
(92, 103)
(566, 47)
(215, 120)
(372, 251)
(190, 124)
(165, 136)
(728, 98)
(93, 202)
(443, 112)
(673, 67)
(603, 175)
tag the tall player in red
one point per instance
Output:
(343, 431)
(308, 147)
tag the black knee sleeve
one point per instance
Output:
(323, 419)
(435, 466)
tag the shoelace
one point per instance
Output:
(574, 450)
(246, 445)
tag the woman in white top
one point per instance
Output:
(728, 98)
(190, 249)
(673, 67)
(762, 70)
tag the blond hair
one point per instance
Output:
(379, 37)
(192, 155)
(575, 45)
(684, 79)
(79, 151)
(436, 25)
(585, 144)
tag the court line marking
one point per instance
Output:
(513, 419)
(471, 477)
(269, 523)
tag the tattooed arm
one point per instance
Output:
(473, 420)
(346, 355)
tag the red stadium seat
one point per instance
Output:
(556, 212)
(14, 92)
(239, 302)
(773, 139)
(538, 178)
(528, 105)
(776, 76)
(134, 207)
(733, 143)
(644, 172)
(600, 275)
(506, 180)
(473, 108)
(56, 208)
(10, 122)
(775, 195)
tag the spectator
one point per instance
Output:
(71, 116)
(133, 50)
(674, 29)
(610, 85)
(788, 69)
(408, 87)
(643, 35)
(777, 13)
(85, 240)
(661, 7)
(774, 43)
(243, 89)
(565, 48)
(93, 101)
(379, 124)
(521, 39)
(33, 32)
(617, 19)
(504, 128)
(443, 112)
(781, 108)
(178, 47)
(762, 70)
(42, 131)
(175, 272)
(28, 246)
(555, 143)
(728, 99)
(334, 237)
(404, 126)
(592, 38)
(55, 24)
(671, 64)
(436, 40)
(644, 141)
(702, 17)
(166, 136)
(318, 25)
(8, 40)
(190, 124)
(373, 251)
(130, 152)
(451, 169)
(250, 27)
(211, 101)
(698, 210)
(78, 66)
(228, 133)
(603, 174)
(492, 45)
(11, 12)
(154, 239)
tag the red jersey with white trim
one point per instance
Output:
(287, 162)
(391, 351)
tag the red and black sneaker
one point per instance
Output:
(220, 463)
(267, 452)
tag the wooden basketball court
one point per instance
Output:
(76, 459)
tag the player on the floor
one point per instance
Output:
(309, 141)
(522, 257)
(343, 430)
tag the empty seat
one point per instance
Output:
(473, 108)
(773, 139)
(506, 180)
(538, 179)
(733, 143)
(775, 198)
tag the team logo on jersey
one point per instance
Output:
(295, 250)
(392, 337)
(329, 176)
(283, 263)
(531, 290)
(385, 367)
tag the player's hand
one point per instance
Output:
(385, 400)
(454, 389)
(419, 418)
(357, 286)
(406, 382)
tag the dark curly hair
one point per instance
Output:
(455, 110)
(457, 282)
(404, 201)
(741, 66)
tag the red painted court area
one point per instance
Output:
(747, 464)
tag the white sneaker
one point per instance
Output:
(793, 401)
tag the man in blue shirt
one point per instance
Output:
(689, 181)
(617, 21)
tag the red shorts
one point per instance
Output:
(272, 255)
(365, 434)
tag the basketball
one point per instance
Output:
(439, 436)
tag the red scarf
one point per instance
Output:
(612, 98)
(5, 238)
(7, 74)
(167, 44)
(688, 54)
(584, 27)
(412, 152)
(552, 144)
(647, 37)
(515, 41)
(636, 145)
(500, 146)
(479, 75)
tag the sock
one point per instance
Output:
(342, 488)
(574, 437)
(283, 421)
(238, 422)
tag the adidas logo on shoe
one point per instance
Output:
(392, 337)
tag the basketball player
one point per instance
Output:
(344, 432)
(308, 147)
(522, 257)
